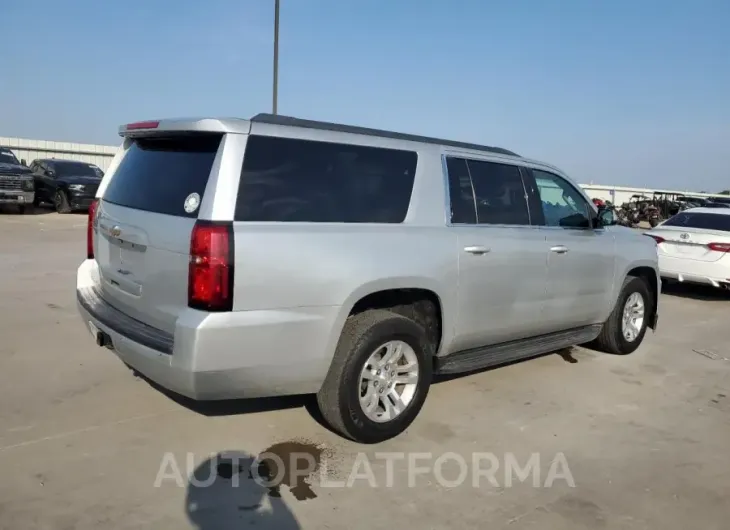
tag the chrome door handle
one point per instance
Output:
(559, 249)
(478, 250)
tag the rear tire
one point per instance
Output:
(21, 209)
(363, 336)
(60, 201)
(613, 337)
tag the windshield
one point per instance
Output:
(76, 169)
(706, 221)
(7, 157)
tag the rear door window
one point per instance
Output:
(499, 193)
(160, 174)
(702, 221)
(293, 180)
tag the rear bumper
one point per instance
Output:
(16, 197)
(218, 356)
(714, 273)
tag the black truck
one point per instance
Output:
(67, 184)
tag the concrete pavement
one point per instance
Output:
(83, 442)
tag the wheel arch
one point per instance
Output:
(653, 282)
(393, 292)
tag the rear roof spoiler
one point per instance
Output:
(201, 125)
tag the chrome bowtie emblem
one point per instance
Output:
(115, 231)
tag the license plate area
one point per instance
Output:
(687, 250)
(126, 266)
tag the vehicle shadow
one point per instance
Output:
(29, 210)
(226, 492)
(235, 407)
(695, 292)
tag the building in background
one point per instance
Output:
(29, 150)
(621, 194)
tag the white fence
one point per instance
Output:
(29, 150)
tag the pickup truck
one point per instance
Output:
(16, 181)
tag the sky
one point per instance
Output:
(622, 92)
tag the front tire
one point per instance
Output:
(624, 330)
(379, 378)
(60, 202)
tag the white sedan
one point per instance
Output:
(694, 246)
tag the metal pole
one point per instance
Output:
(276, 55)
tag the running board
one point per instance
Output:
(507, 352)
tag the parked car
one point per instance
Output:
(16, 182)
(724, 200)
(693, 246)
(67, 184)
(274, 256)
(713, 204)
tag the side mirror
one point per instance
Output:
(23, 162)
(606, 217)
(51, 173)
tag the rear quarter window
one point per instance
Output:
(293, 180)
(706, 221)
(159, 174)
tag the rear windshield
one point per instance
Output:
(76, 169)
(291, 180)
(706, 221)
(164, 175)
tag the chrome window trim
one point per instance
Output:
(447, 195)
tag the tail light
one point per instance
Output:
(719, 247)
(90, 229)
(658, 239)
(210, 279)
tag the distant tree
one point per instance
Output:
(725, 192)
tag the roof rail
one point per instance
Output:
(277, 119)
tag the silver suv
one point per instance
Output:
(236, 258)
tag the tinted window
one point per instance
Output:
(562, 204)
(7, 157)
(498, 193)
(461, 193)
(707, 221)
(292, 180)
(158, 174)
(76, 169)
